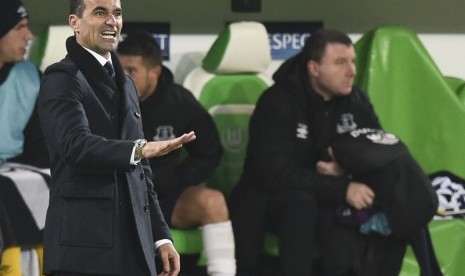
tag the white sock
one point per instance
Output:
(29, 262)
(218, 243)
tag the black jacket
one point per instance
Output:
(103, 212)
(290, 131)
(170, 112)
(382, 161)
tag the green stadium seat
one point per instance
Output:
(228, 85)
(426, 110)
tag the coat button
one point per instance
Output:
(142, 176)
(146, 208)
(137, 114)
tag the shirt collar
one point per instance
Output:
(99, 58)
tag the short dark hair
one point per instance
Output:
(142, 44)
(77, 7)
(315, 45)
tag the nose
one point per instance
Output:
(111, 20)
(352, 69)
(27, 34)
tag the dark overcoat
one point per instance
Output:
(103, 215)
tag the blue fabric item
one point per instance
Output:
(377, 223)
(18, 95)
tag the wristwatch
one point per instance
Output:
(139, 145)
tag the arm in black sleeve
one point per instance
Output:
(275, 155)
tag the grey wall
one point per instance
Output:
(209, 16)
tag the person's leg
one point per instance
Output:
(199, 205)
(423, 248)
(337, 244)
(293, 216)
(248, 215)
(382, 255)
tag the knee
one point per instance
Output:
(214, 205)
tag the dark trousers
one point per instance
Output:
(292, 216)
(424, 252)
(248, 209)
(312, 241)
(345, 251)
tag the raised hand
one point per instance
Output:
(160, 148)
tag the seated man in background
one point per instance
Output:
(292, 186)
(167, 111)
(20, 132)
(21, 136)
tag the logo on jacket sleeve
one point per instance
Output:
(346, 123)
(163, 133)
(384, 138)
(302, 131)
(377, 136)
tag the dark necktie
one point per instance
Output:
(110, 69)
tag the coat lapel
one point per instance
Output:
(95, 73)
(120, 93)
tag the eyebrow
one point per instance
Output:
(100, 8)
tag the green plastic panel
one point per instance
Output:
(38, 48)
(187, 241)
(216, 53)
(230, 100)
(234, 135)
(412, 98)
(448, 238)
(232, 89)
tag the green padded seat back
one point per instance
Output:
(228, 85)
(412, 98)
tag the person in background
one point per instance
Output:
(103, 216)
(168, 110)
(292, 186)
(22, 137)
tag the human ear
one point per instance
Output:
(74, 23)
(313, 68)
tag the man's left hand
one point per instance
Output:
(170, 260)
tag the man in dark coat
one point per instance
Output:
(103, 217)
(292, 186)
